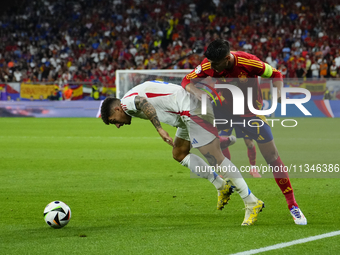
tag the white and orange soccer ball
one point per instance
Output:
(57, 214)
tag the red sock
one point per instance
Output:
(226, 153)
(252, 156)
(282, 180)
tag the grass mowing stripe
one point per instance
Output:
(283, 245)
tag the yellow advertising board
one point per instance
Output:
(36, 91)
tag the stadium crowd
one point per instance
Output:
(87, 40)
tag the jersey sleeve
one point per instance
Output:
(128, 103)
(195, 75)
(271, 72)
(256, 67)
(277, 75)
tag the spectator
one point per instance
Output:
(297, 32)
(283, 70)
(325, 49)
(17, 75)
(68, 93)
(334, 70)
(56, 95)
(337, 59)
(300, 71)
(327, 95)
(308, 67)
(271, 61)
(315, 70)
(95, 92)
(323, 69)
(247, 47)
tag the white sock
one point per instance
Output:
(198, 166)
(229, 171)
(250, 199)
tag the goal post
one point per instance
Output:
(127, 79)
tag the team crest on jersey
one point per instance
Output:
(198, 69)
(242, 77)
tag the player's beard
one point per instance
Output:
(128, 122)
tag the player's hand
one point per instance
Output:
(165, 136)
(192, 89)
(198, 93)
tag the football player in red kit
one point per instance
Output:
(242, 70)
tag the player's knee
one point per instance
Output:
(178, 154)
(249, 143)
(271, 156)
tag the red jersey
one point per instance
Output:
(243, 74)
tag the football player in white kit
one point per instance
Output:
(171, 104)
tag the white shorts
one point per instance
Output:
(198, 135)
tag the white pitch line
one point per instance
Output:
(283, 245)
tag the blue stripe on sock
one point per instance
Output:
(249, 191)
(215, 175)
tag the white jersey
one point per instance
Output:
(171, 101)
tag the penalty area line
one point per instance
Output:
(283, 245)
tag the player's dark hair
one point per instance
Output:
(106, 109)
(217, 50)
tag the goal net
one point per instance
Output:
(127, 79)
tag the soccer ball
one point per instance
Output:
(57, 214)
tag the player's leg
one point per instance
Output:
(196, 164)
(271, 155)
(204, 136)
(212, 152)
(226, 140)
(228, 170)
(260, 131)
(226, 153)
(251, 151)
(225, 131)
(181, 153)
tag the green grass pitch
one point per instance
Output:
(128, 196)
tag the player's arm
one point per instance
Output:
(276, 76)
(278, 85)
(144, 105)
(190, 80)
(147, 108)
(264, 70)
